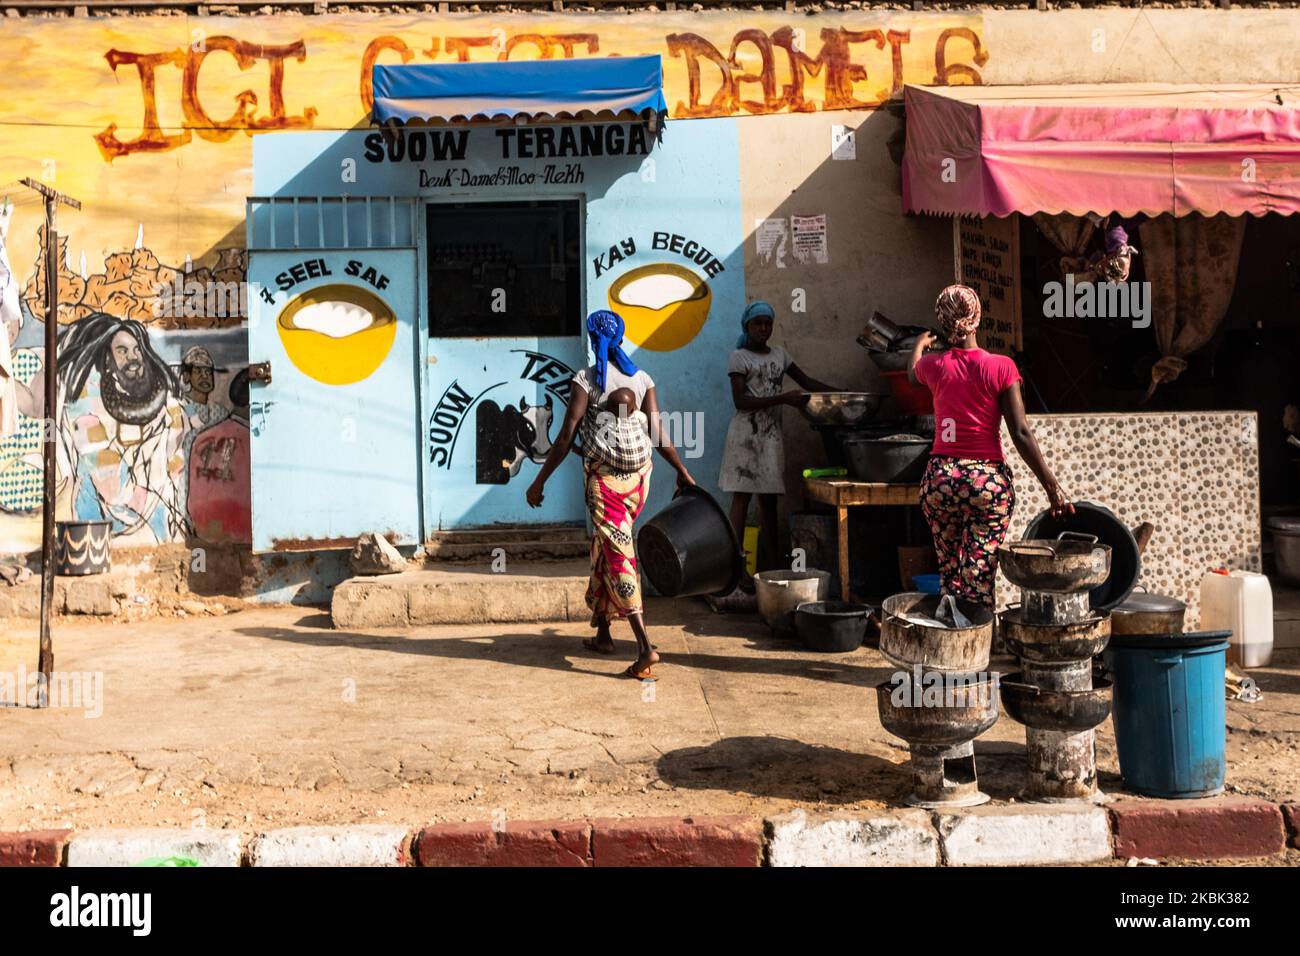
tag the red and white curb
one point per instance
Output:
(1013, 835)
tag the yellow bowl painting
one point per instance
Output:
(663, 305)
(337, 334)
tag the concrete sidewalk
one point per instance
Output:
(270, 718)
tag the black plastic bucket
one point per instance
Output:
(81, 547)
(1125, 561)
(689, 548)
(832, 627)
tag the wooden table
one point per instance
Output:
(843, 494)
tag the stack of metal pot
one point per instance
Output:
(943, 697)
(1055, 633)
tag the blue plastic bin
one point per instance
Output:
(1169, 711)
(926, 583)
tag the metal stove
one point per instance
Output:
(1055, 634)
(941, 699)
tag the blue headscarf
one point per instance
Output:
(755, 310)
(605, 330)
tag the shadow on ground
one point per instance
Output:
(560, 648)
(785, 769)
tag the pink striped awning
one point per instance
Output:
(1122, 148)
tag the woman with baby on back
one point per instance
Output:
(616, 409)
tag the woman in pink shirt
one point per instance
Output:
(966, 495)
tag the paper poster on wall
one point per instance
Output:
(843, 143)
(771, 235)
(988, 260)
(809, 234)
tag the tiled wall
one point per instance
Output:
(1194, 475)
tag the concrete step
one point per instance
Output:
(465, 593)
(531, 542)
(537, 549)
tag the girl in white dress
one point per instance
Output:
(753, 461)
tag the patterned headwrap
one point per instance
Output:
(755, 310)
(958, 312)
(605, 330)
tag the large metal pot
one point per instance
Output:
(967, 709)
(887, 460)
(780, 592)
(841, 408)
(1065, 711)
(1075, 641)
(1142, 613)
(951, 650)
(1070, 562)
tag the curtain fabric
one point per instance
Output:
(1191, 263)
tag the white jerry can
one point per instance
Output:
(1241, 602)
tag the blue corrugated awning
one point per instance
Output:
(614, 87)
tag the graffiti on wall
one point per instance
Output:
(338, 333)
(664, 304)
(505, 435)
(129, 422)
(154, 133)
(724, 65)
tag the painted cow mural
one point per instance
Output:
(506, 437)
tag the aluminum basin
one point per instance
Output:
(841, 408)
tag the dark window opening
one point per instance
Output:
(504, 269)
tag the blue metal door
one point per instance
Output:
(335, 429)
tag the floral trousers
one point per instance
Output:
(967, 504)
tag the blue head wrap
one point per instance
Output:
(605, 330)
(755, 310)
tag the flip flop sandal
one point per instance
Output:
(645, 676)
(591, 644)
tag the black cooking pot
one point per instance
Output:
(831, 626)
(1125, 561)
(891, 461)
(689, 548)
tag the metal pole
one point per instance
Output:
(52, 198)
(50, 412)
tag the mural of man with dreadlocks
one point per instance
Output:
(124, 441)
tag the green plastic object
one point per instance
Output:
(168, 861)
(825, 472)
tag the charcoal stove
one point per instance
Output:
(940, 715)
(942, 702)
(1055, 633)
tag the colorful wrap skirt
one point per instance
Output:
(967, 503)
(614, 500)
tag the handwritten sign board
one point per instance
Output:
(988, 260)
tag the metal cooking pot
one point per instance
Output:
(1071, 562)
(1142, 613)
(841, 408)
(954, 650)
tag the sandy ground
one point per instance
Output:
(269, 717)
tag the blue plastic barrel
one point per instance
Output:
(926, 583)
(1169, 712)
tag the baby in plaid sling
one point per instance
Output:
(619, 433)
